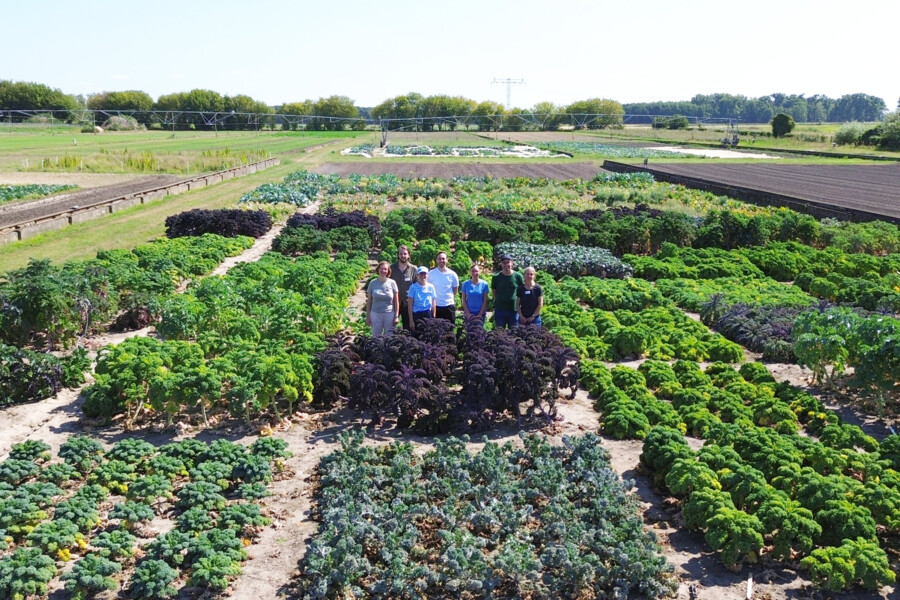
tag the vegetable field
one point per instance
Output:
(649, 365)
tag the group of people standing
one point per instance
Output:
(404, 292)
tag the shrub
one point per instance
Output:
(849, 133)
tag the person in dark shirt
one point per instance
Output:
(530, 299)
(403, 273)
(504, 288)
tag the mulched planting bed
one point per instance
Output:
(451, 170)
(869, 188)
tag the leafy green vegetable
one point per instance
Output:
(90, 576)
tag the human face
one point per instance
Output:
(403, 255)
(507, 266)
(383, 272)
(442, 261)
(422, 278)
(529, 275)
(475, 272)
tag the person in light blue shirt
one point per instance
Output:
(475, 295)
(421, 299)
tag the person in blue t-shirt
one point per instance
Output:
(421, 296)
(475, 295)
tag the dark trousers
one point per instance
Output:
(446, 312)
(404, 314)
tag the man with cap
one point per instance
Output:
(420, 298)
(505, 288)
(403, 273)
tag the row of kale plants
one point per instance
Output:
(779, 476)
(94, 507)
(513, 521)
(239, 345)
(824, 309)
(526, 209)
(44, 307)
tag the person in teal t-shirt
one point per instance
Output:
(474, 295)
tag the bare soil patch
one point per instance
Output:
(870, 189)
(447, 170)
(85, 180)
(18, 212)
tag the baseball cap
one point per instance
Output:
(422, 269)
(506, 257)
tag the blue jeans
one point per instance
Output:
(505, 319)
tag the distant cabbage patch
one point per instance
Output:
(559, 260)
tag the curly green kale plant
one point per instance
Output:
(26, 572)
(81, 452)
(118, 543)
(33, 450)
(90, 576)
(214, 571)
(152, 580)
(131, 513)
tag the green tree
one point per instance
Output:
(595, 113)
(339, 108)
(408, 106)
(857, 107)
(488, 115)
(295, 108)
(21, 95)
(782, 125)
(890, 132)
(126, 101)
(247, 113)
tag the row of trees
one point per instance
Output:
(438, 111)
(201, 109)
(429, 113)
(850, 107)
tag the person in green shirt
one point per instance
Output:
(504, 288)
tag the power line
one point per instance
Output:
(509, 83)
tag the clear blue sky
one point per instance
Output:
(565, 50)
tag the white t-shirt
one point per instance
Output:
(444, 284)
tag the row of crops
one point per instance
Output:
(259, 342)
(12, 193)
(98, 509)
(778, 473)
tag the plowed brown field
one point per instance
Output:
(860, 191)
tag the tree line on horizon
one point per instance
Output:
(432, 112)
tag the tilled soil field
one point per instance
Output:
(867, 191)
(446, 170)
(19, 212)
